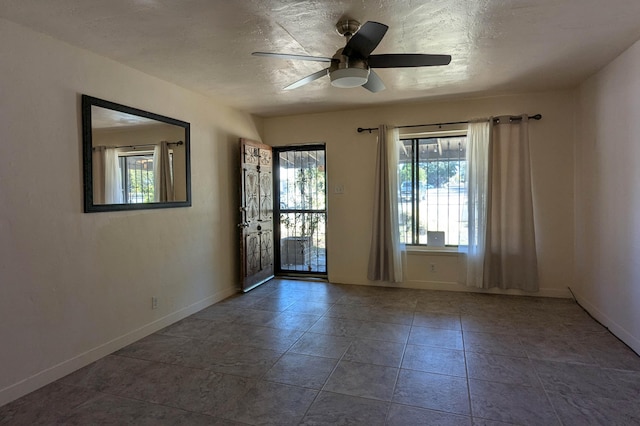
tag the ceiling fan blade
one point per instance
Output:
(308, 79)
(365, 40)
(374, 84)
(402, 60)
(293, 57)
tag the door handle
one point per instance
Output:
(243, 225)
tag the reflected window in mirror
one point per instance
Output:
(133, 159)
(139, 173)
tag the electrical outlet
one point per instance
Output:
(432, 267)
(154, 302)
(339, 189)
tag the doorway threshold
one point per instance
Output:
(305, 277)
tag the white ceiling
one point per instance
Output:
(498, 46)
(103, 118)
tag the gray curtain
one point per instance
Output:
(510, 254)
(385, 256)
(163, 174)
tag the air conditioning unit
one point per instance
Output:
(295, 251)
(435, 238)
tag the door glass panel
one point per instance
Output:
(302, 211)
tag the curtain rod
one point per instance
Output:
(138, 146)
(495, 120)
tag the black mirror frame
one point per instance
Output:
(87, 163)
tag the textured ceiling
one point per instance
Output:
(498, 46)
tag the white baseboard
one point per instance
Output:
(63, 368)
(620, 332)
(563, 293)
(450, 286)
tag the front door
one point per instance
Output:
(301, 210)
(256, 213)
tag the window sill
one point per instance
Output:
(432, 251)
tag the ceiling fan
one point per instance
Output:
(352, 65)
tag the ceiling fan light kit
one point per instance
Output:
(349, 77)
(351, 66)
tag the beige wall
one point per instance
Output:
(351, 162)
(76, 286)
(608, 196)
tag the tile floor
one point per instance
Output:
(312, 353)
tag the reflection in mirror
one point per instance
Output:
(133, 159)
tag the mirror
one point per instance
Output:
(133, 159)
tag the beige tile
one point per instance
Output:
(577, 410)
(321, 345)
(186, 388)
(337, 326)
(383, 331)
(334, 409)
(301, 370)
(111, 374)
(438, 337)
(511, 403)
(293, 321)
(375, 352)
(435, 360)
(363, 380)
(432, 391)
(47, 405)
(437, 320)
(109, 409)
(493, 343)
(313, 353)
(502, 369)
(402, 415)
(271, 403)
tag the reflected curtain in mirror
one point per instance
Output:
(162, 173)
(107, 179)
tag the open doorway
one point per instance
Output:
(300, 210)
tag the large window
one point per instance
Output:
(432, 192)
